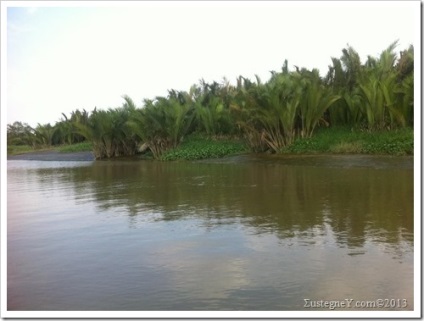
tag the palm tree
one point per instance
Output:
(387, 100)
(108, 131)
(161, 124)
(316, 99)
(44, 134)
(212, 108)
(269, 111)
(352, 66)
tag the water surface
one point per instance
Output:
(239, 233)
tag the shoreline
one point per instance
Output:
(52, 155)
(334, 141)
(358, 158)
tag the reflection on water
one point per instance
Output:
(243, 233)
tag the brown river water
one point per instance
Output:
(239, 233)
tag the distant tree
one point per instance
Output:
(20, 133)
(44, 134)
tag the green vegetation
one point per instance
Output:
(78, 147)
(19, 149)
(45, 136)
(108, 131)
(294, 111)
(343, 140)
(200, 147)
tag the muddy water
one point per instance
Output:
(240, 233)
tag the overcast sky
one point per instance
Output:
(62, 55)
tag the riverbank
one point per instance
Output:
(335, 140)
(344, 140)
(195, 147)
(53, 155)
(76, 152)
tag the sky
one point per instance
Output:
(63, 56)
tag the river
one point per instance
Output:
(240, 233)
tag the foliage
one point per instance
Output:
(19, 149)
(199, 147)
(78, 147)
(212, 110)
(108, 131)
(350, 140)
(277, 116)
(63, 132)
(161, 124)
(288, 106)
(316, 99)
(378, 93)
(66, 131)
(20, 133)
(44, 134)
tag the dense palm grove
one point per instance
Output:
(375, 95)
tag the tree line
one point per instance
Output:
(377, 94)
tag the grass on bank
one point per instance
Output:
(201, 147)
(19, 149)
(342, 140)
(334, 140)
(74, 148)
